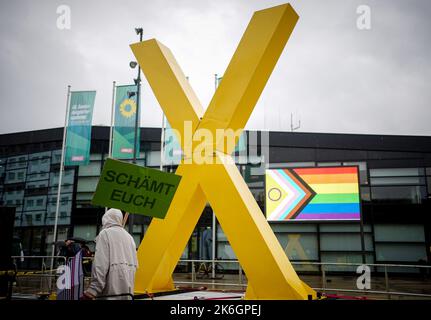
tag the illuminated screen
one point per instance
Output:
(304, 194)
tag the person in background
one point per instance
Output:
(115, 261)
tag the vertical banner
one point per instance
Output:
(78, 136)
(124, 123)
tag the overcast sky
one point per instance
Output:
(332, 75)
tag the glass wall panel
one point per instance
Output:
(291, 227)
(399, 232)
(17, 162)
(15, 176)
(401, 194)
(338, 257)
(56, 156)
(397, 181)
(35, 203)
(87, 184)
(394, 252)
(365, 194)
(39, 162)
(343, 228)
(345, 242)
(92, 169)
(87, 232)
(299, 247)
(291, 165)
(37, 176)
(33, 218)
(65, 209)
(153, 158)
(396, 172)
(329, 164)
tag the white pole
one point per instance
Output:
(112, 119)
(112, 124)
(162, 140)
(59, 178)
(213, 249)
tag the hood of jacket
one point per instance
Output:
(112, 217)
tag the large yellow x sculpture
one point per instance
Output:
(217, 179)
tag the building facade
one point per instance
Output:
(395, 191)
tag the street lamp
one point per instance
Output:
(133, 64)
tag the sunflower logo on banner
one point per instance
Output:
(124, 124)
(128, 108)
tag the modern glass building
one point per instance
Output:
(395, 191)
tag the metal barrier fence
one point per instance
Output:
(33, 274)
(387, 280)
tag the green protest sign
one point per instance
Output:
(135, 189)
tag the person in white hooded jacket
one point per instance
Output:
(115, 261)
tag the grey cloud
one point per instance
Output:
(335, 77)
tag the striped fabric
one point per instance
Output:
(76, 279)
(322, 193)
(337, 193)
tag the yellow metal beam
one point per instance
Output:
(249, 69)
(268, 269)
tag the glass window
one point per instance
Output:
(292, 165)
(29, 203)
(328, 164)
(429, 184)
(345, 242)
(96, 156)
(397, 232)
(56, 156)
(87, 232)
(401, 194)
(37, 176)
(365, 193)
(35, 203)
(396, 172)
(299, 246)
(400, 252)
(84, 196)
(428, 170)
(397, 181)
(296, 228)
(92, 169)
(17, 162)
(342, 257)
(343, 228)
(87, 184)
(68, 177)
(153, 158)
(39, 162)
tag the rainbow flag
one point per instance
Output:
(333, 194)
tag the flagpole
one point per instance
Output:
(112, 124)
(137, 116)
(112, 120)
(59, 179)
(213, 247)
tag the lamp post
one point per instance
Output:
(133, 64)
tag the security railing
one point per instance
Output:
(374, 281)
(33, 275)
